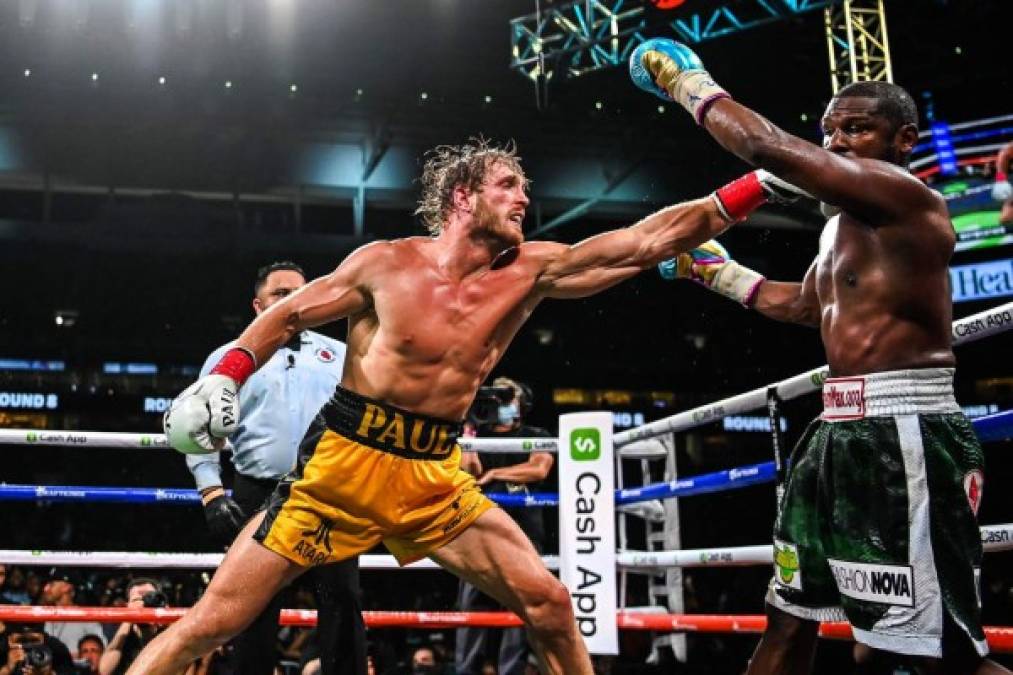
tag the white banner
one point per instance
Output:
(992, 279)
(587, 548)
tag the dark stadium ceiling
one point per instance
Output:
(392, 49)
(163, 272)
(221, 95)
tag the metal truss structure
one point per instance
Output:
(857, 42)
(574, 38)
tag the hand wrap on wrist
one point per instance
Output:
(737, 282)
(696, 91)
(238, 363)
(741, 197)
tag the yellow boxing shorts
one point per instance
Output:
(368, 472)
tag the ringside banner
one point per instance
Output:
(587, 547)
(978, 281)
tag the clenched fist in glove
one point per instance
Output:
(711, 266)
(207, 412)
(224, 517)
(671, 71)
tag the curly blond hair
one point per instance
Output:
(448, 166)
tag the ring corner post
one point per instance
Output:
(587, 520)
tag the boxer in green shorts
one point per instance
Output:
(877, 525)
(877, 522)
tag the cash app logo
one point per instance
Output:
(585, 444)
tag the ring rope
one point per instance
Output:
(966, 330)
(969, 329)
(989, 428)
(641, 449)
(138, 441)
(995, 427)
(994, 538)
(729, 479)
(1000, 638)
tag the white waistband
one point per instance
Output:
(925, 391)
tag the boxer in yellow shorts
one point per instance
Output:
(369, 472)
(428, 320)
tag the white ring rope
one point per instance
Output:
(971, 328)
(649, 449)
(504, 445)
(82, 439)
(995, 538)
(975, 327)
(925, 133)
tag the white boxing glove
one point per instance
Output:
(779, 191)
(200, 419)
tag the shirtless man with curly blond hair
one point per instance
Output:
(429, 318)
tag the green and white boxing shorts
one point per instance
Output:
(877, 523)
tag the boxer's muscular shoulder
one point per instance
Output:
(377, 258)
(381, 250)
(408, 249)
(540, 252)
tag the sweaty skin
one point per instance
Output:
(429, 318)
(879, 287)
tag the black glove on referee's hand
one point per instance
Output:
(225, 519)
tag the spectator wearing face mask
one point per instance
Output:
(502, 415)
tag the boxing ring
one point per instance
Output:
(662, 558)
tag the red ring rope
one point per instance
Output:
(1000, 638)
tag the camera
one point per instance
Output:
(484, 409)
(154, 599)
(38, 655)
(33, 646)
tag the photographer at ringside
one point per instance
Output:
(130, 638)
(499, 411)
(27, 650)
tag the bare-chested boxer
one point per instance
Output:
(429, 317)
(877, 524)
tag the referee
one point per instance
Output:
(277, 404)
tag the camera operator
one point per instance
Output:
(26, 650)
(130, 638)
(499, 411)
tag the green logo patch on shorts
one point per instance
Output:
(786, 567)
